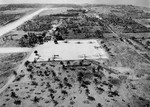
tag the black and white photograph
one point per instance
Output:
(74, 53)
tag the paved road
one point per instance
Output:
(14, 50)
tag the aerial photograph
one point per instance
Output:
(74, 53)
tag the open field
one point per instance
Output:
(75, 83)
(136, 35)
(54, 11)
(9, 62)
(145, 22)
(80, 86)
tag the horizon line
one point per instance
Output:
(75, 4)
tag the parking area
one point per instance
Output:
(68, 50)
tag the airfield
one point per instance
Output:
(68, 55)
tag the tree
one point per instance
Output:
(32, 39)
(26, 63)
(99, 105)
(55, 41)
(64, 67)
(143, 38)
(40, 39)
(44, 34)
(148, 43)
(36, 52)
(25, 36)
(133, 38)
(61, 63)
(81, 62)
(99, 34)
(15, 73)
(28, 40)
(31, 76)
(13, 95)
(68, 62)
(91, 98)
(80, 75)
(36, 100)
(24, 42)
(93, 70)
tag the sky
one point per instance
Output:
(145, 3)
